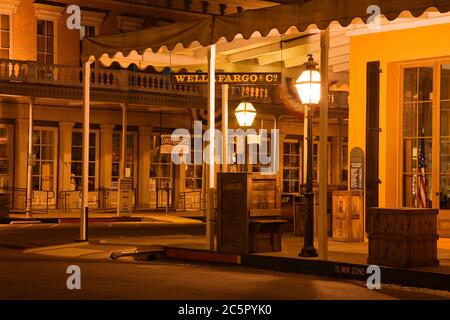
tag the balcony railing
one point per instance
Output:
(124, 80)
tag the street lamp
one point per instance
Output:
(245, 114)
(308, 87)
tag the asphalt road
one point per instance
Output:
(29, 276)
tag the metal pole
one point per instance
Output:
(225, 128)
(29, 199)
(308, 249)
(85, 171)
(211, 122)
(323, 147)
(305, 146)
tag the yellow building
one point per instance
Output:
(40, 70)
(414, 93)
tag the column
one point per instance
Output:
(65, 157)
(143, 170)
(21, 142)
(106, 132)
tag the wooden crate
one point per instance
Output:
(402, 237)
(348, 216)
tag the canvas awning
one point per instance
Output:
(210, 30)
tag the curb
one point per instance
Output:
(61, 246)
(332, 269)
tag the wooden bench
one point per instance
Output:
(265, 231)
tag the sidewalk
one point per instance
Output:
(345, 260)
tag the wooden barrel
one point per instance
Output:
(402, 237)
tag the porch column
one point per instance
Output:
(123, 140)
(211, 123)
(86, 125)
(21, 150)
(65, 157)
(225, 155)
(144, 167)
(323, 147)
(106, 132)
(29, 163)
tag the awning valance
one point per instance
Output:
(209, 30)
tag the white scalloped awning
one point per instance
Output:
(210, 30)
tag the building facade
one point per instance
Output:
(40, 70)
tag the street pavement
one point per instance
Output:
(31, 275)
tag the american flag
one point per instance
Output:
(422, 181)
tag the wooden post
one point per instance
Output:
(225, 154)
(29, 199)
(211, 123)
(85, 171)
(323, 158)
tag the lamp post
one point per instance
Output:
(245, 114)
(308, 87)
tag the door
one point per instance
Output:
(161, 178)
(426, 136)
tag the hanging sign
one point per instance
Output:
(357, 169)
(229, 78)
(168, 143)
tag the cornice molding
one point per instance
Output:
(9, 6)
(47, 12)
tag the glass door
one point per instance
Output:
(161, 177)
(444, 138)
(417, 137)
(426, 136)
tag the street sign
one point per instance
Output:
(357, 169)
(249, 78)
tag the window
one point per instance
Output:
(444, 174)
(4, 157)
(291, 167)
(417, 136)
(45, 42)
(5, 34)
(130, 151)
(194, 172)
(86, 31)
(44, 170)
(77, 161)
(266, 141)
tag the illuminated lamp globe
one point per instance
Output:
(245, 114)
(308, 84)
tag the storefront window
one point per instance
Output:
(445, 138)
(77, 161)
(161, 175)
(258, 166)
(4, 159)
(194, 172)
(417, 137)
(130, 151)
(44, 149)
(291, 167)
